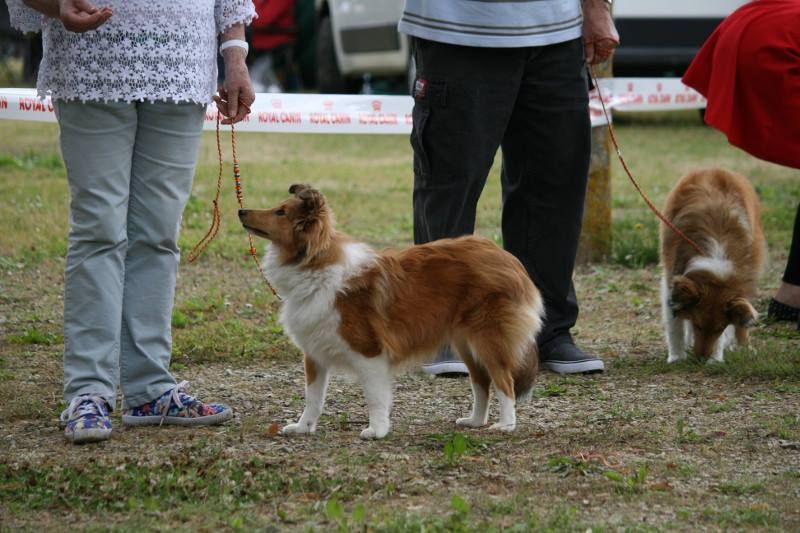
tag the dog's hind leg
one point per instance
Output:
(375, 376)
(480, 389)
(508, 411)
(316, 387)
(494, 356)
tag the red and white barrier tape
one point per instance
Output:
(335, 113)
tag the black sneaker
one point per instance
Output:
(780, 312)
(566, 358)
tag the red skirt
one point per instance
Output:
(749, 70)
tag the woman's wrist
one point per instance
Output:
(233, 43)
(233, 46)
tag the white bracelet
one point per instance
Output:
(234, 42)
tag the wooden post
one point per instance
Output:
(595, 242)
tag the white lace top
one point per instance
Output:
(147, 50)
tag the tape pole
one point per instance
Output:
(378, 114)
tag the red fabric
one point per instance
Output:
(275, 25)
(749, 70)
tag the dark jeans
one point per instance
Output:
(533, 103)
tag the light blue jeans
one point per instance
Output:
(130, 168)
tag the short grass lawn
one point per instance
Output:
(645, 446)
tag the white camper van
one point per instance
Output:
(358, 40)
(661, 38)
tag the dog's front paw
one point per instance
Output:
(674, 357)
(374, 433)
(289, 429)
(502, 427)
(470, 422)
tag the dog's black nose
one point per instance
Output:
(242, 212)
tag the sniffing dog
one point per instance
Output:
(706, 297)
(370, 313)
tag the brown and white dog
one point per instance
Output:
(369, 313)
(706, 297)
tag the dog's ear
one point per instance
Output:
(313, 224)
(313, 215)
(685, 294)
(297, 188)
(313, 200)
(740, 312)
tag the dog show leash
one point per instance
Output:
(201, 246)
(647, 200)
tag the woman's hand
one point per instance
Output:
(600, 37)
(236, 94)
(81, 15)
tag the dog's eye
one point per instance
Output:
(280, 212)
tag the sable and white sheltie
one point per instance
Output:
(705, 299)
(369, 313)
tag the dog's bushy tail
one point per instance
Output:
(525, 375)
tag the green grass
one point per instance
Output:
(775, 359)
(372, 194)
(724, 406)
(456, 445)
(687, 435)
(229, 339)
(633, 483)
(742, 488)
(634, 242)
(35, 336)
(568, 466)
(32, 160)
(550, 390)
(742, 517)
(575, 462)
(786, 426)
(184, 480)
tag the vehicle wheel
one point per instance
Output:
(329, 79)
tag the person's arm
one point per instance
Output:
(236, 94)
(76, 15)
(600, 36)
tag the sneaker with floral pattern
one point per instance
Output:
(86, 419)
(176, 407)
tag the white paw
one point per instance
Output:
(502, 427)
(673, 357)
(714, 360)
(469, 422)
(373, 433)
(289, 429)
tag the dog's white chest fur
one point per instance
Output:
(308, 313)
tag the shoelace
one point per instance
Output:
(85, 404)
(174, 397)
